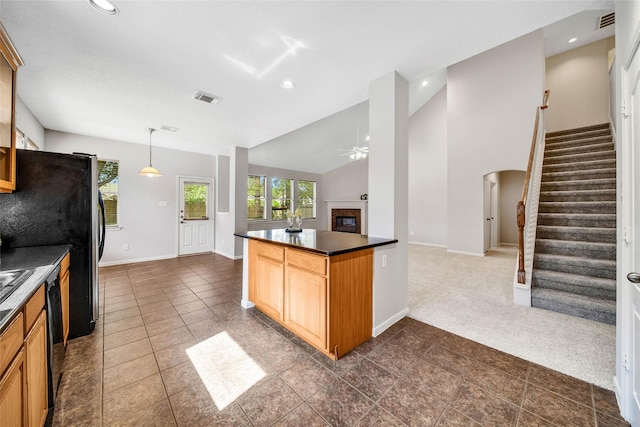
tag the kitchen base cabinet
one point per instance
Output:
(325, 300)
(36, 362)
(265, 285)
(12, 394)
(23, 366)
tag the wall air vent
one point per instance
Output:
(606, 20)
(206, 97)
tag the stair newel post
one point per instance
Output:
(520, 218)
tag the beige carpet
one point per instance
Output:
(473, 297)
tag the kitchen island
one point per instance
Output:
(317, 284)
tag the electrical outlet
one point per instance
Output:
(384, 261)
(125, 247)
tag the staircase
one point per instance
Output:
(574, 266)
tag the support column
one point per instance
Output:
(388, 196)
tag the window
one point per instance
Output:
(256, 197)
(281, 196)
(195, 200)
(108, 186)
(307, 198)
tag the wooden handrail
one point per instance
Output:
(525, 190)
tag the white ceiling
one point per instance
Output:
(113, 76)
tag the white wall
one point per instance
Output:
(491, 104)
(29, 125)
(509, 192)
(347, 182)
(428, 172)
(318, 223)
(149, 229)
(578, 81)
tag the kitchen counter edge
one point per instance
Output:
(42, 267)
(341, 243)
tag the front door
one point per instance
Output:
(196, 220)
(629, 247)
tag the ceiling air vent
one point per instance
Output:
(206, 97)
(606, 20)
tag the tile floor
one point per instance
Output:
(174, 347)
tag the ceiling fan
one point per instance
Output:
(357, 152)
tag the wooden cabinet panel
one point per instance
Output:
(306, 305)
(9, 63)
(33, 308)
(36, 372)
(11, 341)
(266, 278)
(12, 394)
(308, 261)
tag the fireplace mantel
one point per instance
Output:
(348, 204)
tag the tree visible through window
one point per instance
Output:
(195, 200)
(281, 196)
(256, 197)
(307, 198)
(109, 187)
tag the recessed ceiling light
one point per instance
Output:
(104, 6)
(424, 83)
(287, 84)
(573, 39)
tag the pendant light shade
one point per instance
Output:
(150, 171)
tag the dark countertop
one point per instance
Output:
(42, 260)
(318, 241)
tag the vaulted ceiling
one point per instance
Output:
(112, 76)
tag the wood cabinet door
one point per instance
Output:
(13, 393)
(266, 285)
(36, 364)
(306, 305)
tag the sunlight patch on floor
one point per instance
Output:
(225, 369)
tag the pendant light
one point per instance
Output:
(150, 171)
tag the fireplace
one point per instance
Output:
(346, 220)
(347, 216)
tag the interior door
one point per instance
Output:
(629, 283)
(196, 221)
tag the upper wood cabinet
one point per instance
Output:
(9, 63)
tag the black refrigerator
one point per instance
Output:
(56, 201)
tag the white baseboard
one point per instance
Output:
(464, 253)
(226, 255)
(377, 330)
(245, 303)
(433, 245)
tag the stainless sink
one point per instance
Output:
(10, 280)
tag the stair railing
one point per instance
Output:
(538, 136)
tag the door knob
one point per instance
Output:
(633, 277)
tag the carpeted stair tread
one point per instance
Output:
(582, 158)
(578, 195)
(585, 184)
(579, 149)
(580, 130)
(576, 305)
(577, 220)
(550, 144)
(592, 164)
(573, 248)
(602, 268)
(578, 175)
(578, 234)
(603, 207)
(595, 287)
